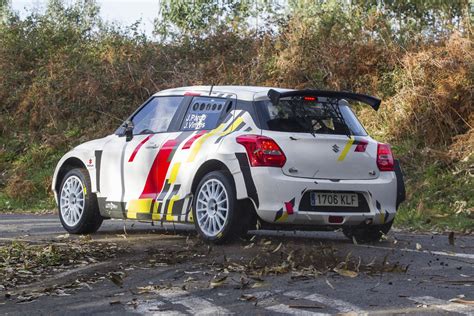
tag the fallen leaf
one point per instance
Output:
(305, 306)
(461, 301)
(247, 297)
(257, 285)
(346, 273)
(330, 285)
(277, 248)
(116, 278)
(217, 282)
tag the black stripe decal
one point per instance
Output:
(240, 126)
(178, 207)
(164, 191)
(98, 159)
(249, 184)
(174, 192)
(181, 137)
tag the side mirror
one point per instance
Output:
(128, 130)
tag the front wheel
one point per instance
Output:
(78, 209)
(368, 233)
(214, 208)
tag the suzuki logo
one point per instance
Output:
(335, 148)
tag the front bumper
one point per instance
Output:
(280, 197)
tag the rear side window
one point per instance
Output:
(156, 115)
(317, 116)
(204, 113)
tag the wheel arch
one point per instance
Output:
(68, 164)
(205, 168)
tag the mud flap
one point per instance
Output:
(400, 183)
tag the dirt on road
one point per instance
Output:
(133, 268)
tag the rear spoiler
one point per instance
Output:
(275, 96)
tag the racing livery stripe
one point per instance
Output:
(169, 203)
(235, 126)
(174, 172)
(190, 141)
(155, 215)
(138, 206)
(177, 208)
(198, 143)
(249, 184)
(163, 193)
(98, 159)
(281, 215)
(159, 169)
(346, 149)
(135, 151)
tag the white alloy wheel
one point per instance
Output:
(72, 201)
(212, 207)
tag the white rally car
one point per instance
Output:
(229, 157)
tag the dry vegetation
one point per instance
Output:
(60, 71)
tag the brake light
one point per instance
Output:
(384, 157)
(191, 93)
(262, 151)
(309, 98)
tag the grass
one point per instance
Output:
(439, 199)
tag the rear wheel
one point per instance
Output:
(368, 233)
(78, 209)
(214, 208)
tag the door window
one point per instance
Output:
(204, 113)
(156, 115)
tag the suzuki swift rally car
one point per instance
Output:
(228, 157)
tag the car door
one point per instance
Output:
(126, 165)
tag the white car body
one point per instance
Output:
(152, 176)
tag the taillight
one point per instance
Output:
(262, 151)
(384, 157)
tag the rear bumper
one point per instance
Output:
(280, 198)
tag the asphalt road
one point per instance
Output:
(168, 271)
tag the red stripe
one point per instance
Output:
(135, 151)
(190, 141)
(289, 207)
(156, 176)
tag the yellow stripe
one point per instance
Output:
(138, 206)
(232, 126)
(174, 173)
(169, 216)
(198, 143)
(283, 218)
(155, 216)
(346, 149)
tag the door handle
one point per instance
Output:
(151, 146)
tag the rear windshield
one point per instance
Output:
(318, 116)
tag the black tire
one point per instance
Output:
(367, 233)
(233, 226)
(90, 219)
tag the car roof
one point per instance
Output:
(246, 93)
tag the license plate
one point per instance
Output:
(334, 199)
